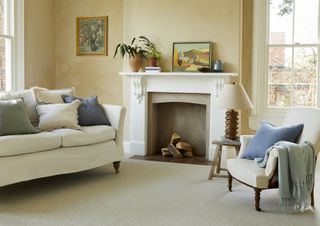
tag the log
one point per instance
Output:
(175, 138)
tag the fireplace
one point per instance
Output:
(187, 114)
(154, 94)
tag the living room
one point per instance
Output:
(223, 128)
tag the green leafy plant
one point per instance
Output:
(155, 54)
(140, 46)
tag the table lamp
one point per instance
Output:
(233, 97)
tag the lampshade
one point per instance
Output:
(233, 96)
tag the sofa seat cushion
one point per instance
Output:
(28, 143)
(248, 172)
(87, 135)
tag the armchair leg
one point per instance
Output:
(116, 166)
(312, 196)
(257, 198)
(229, 181)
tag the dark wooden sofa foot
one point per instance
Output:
(257, 198)
(229, 182)
(116, 166)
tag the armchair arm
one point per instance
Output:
(272, 162)
(116, 116)
(244, 140)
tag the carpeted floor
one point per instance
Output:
(144, 193)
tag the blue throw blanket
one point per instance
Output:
(296, 171)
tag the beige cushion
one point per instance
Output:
(54, 116)
(87, 135)
(21, 144)
(29, 101)
(248, 172)
(51, 96)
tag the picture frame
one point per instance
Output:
(92, 36)
(189, 56)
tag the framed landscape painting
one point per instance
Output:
(91, 36)
(189, 56)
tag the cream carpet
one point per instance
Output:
(144, 193)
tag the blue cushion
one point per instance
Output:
(90, 112)
(267, 135)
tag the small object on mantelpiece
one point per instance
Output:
(152, 69)
(218, 66)
(204, 69)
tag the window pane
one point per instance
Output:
(279, 95)
(306, 21)
(2, 64)
(281, 22)
(305, 76)
(279, 76)
(3, 21)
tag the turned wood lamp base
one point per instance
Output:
(231, 130)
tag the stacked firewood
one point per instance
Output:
(177, 148)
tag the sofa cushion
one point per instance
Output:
(14, 118)
(29, 101)
(87, 135)
(51, 96)
(22, 144)
(55, 116)
(90, 111)
(248, 172)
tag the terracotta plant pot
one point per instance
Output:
(153, 62)
(135, 63)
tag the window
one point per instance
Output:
(293, 53)
(285, 57)
(11, 45)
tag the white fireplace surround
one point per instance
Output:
(172, 82)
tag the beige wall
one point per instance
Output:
(90, 75)
(50, 40)
(167, 21)
(39, 43)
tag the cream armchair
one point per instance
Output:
(248, 173)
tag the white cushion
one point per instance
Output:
(51, 96)
(87, 135)
(21, 144)
(248, 172)
(54, 116)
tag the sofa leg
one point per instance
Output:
(229, 182)
(257, 198)
(312, 196)
(116, 166)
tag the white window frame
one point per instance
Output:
(15, 45)
(259, 69)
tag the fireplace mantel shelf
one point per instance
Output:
(179, 74)
(139, 79)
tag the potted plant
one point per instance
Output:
(154, 57)
(136, 51)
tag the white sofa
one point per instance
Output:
(26, 157)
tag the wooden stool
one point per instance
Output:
(216, 162)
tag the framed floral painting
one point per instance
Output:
(92, 35)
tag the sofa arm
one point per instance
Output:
(272, 162)
(116, 115)
(244, 140)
